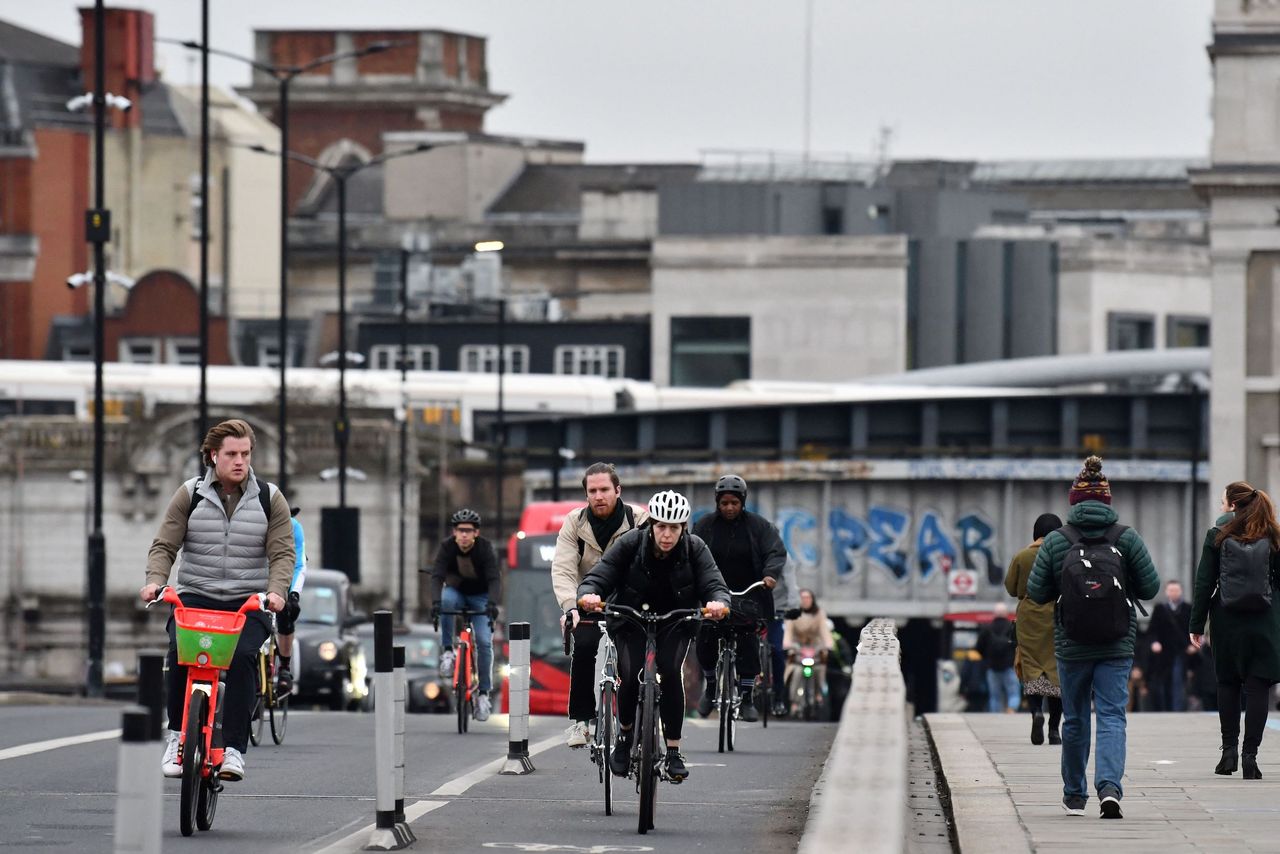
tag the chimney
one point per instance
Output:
(130, 58)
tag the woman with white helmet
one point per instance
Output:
(660, 568)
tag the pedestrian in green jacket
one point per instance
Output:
(1098, 671)
(1246, 644)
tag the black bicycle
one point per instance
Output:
(646, 750)
(729, 700)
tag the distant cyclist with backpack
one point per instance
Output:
(1235, 593)
(1097, 570)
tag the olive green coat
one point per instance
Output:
(1093, 518)
(1035, 622)
(1244, 644)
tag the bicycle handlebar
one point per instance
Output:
(255, 602)
(435, 620)
(642, 617)
(748, 589)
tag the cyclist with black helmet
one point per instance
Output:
(747, 549)
(466, 577)
(658, 568)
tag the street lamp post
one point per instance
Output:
(404, 419)
(284, 75)
(501, 449)
(340, 174)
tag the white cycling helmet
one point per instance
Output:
(670, 507)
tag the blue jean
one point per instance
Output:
(1106, 682)
(1003, 690)
(452, 600)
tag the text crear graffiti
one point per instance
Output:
(892, 540)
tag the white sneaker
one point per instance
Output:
(169, 764)
(577, 734)
(446, 664)
(232, 765)
(483, 707)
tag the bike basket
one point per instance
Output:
(207, 638)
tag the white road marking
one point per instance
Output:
(55, 743)
(356, 841)
(412, 812)
(458, 785)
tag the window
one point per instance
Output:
(269, 352)
(710, 351)
(1131, 331)
(605, 360)
(143, 351)
(832, 220)
(1187, 331)
(182, 351)
(77, 353)
(422, 357)
(483, 359)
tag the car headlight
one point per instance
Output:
(327, 651)
(359, 667)
(431, 690)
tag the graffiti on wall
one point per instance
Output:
(891, 540)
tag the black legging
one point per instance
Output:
(582, 671)
(672, 646)
(1035, 703)
(1257, 692)
(237, 705)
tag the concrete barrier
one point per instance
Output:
(518, 761)
(139, 806)
(860, 800)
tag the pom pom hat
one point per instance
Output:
(1091, 484)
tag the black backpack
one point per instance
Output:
(631, 523)
(1244, 575)
(1093, 605)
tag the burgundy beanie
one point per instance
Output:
(1091, 484)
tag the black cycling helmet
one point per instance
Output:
(733, 485)
(465, 516)
(295, 510)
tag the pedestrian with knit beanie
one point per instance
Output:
(1235, 594)
(1096, 570)
(1036, 666)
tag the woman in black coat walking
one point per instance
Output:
(1246, 640)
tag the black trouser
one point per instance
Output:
(747, 662)
(1035, 703)
(672, 647)
(582, 672)
(1257, 693)
(242, 677)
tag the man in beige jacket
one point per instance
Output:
(584, 537)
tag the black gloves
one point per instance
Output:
(492, 611)
(435, 612)
(791, 614)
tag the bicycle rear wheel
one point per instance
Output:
(279, 718)
(192, 761)
(255, 723)
(604, 736)
(648, 732)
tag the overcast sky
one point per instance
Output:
(667, 79)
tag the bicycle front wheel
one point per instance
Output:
(605, 737)
(647, 729)
(279, 718)
(727, 689)
(764, 697)
(192, 761)
(208, 804)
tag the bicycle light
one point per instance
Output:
(327, 651)
(808, 671)
(807, 662)
(202, 659)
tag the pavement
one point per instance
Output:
(315, 792)
(1006, 793)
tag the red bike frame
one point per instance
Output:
(197, 673)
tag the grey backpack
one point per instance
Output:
(1244, 575)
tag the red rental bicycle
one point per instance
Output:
(206, 644)
(466, 678)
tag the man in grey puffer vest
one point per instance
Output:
(235, 538)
